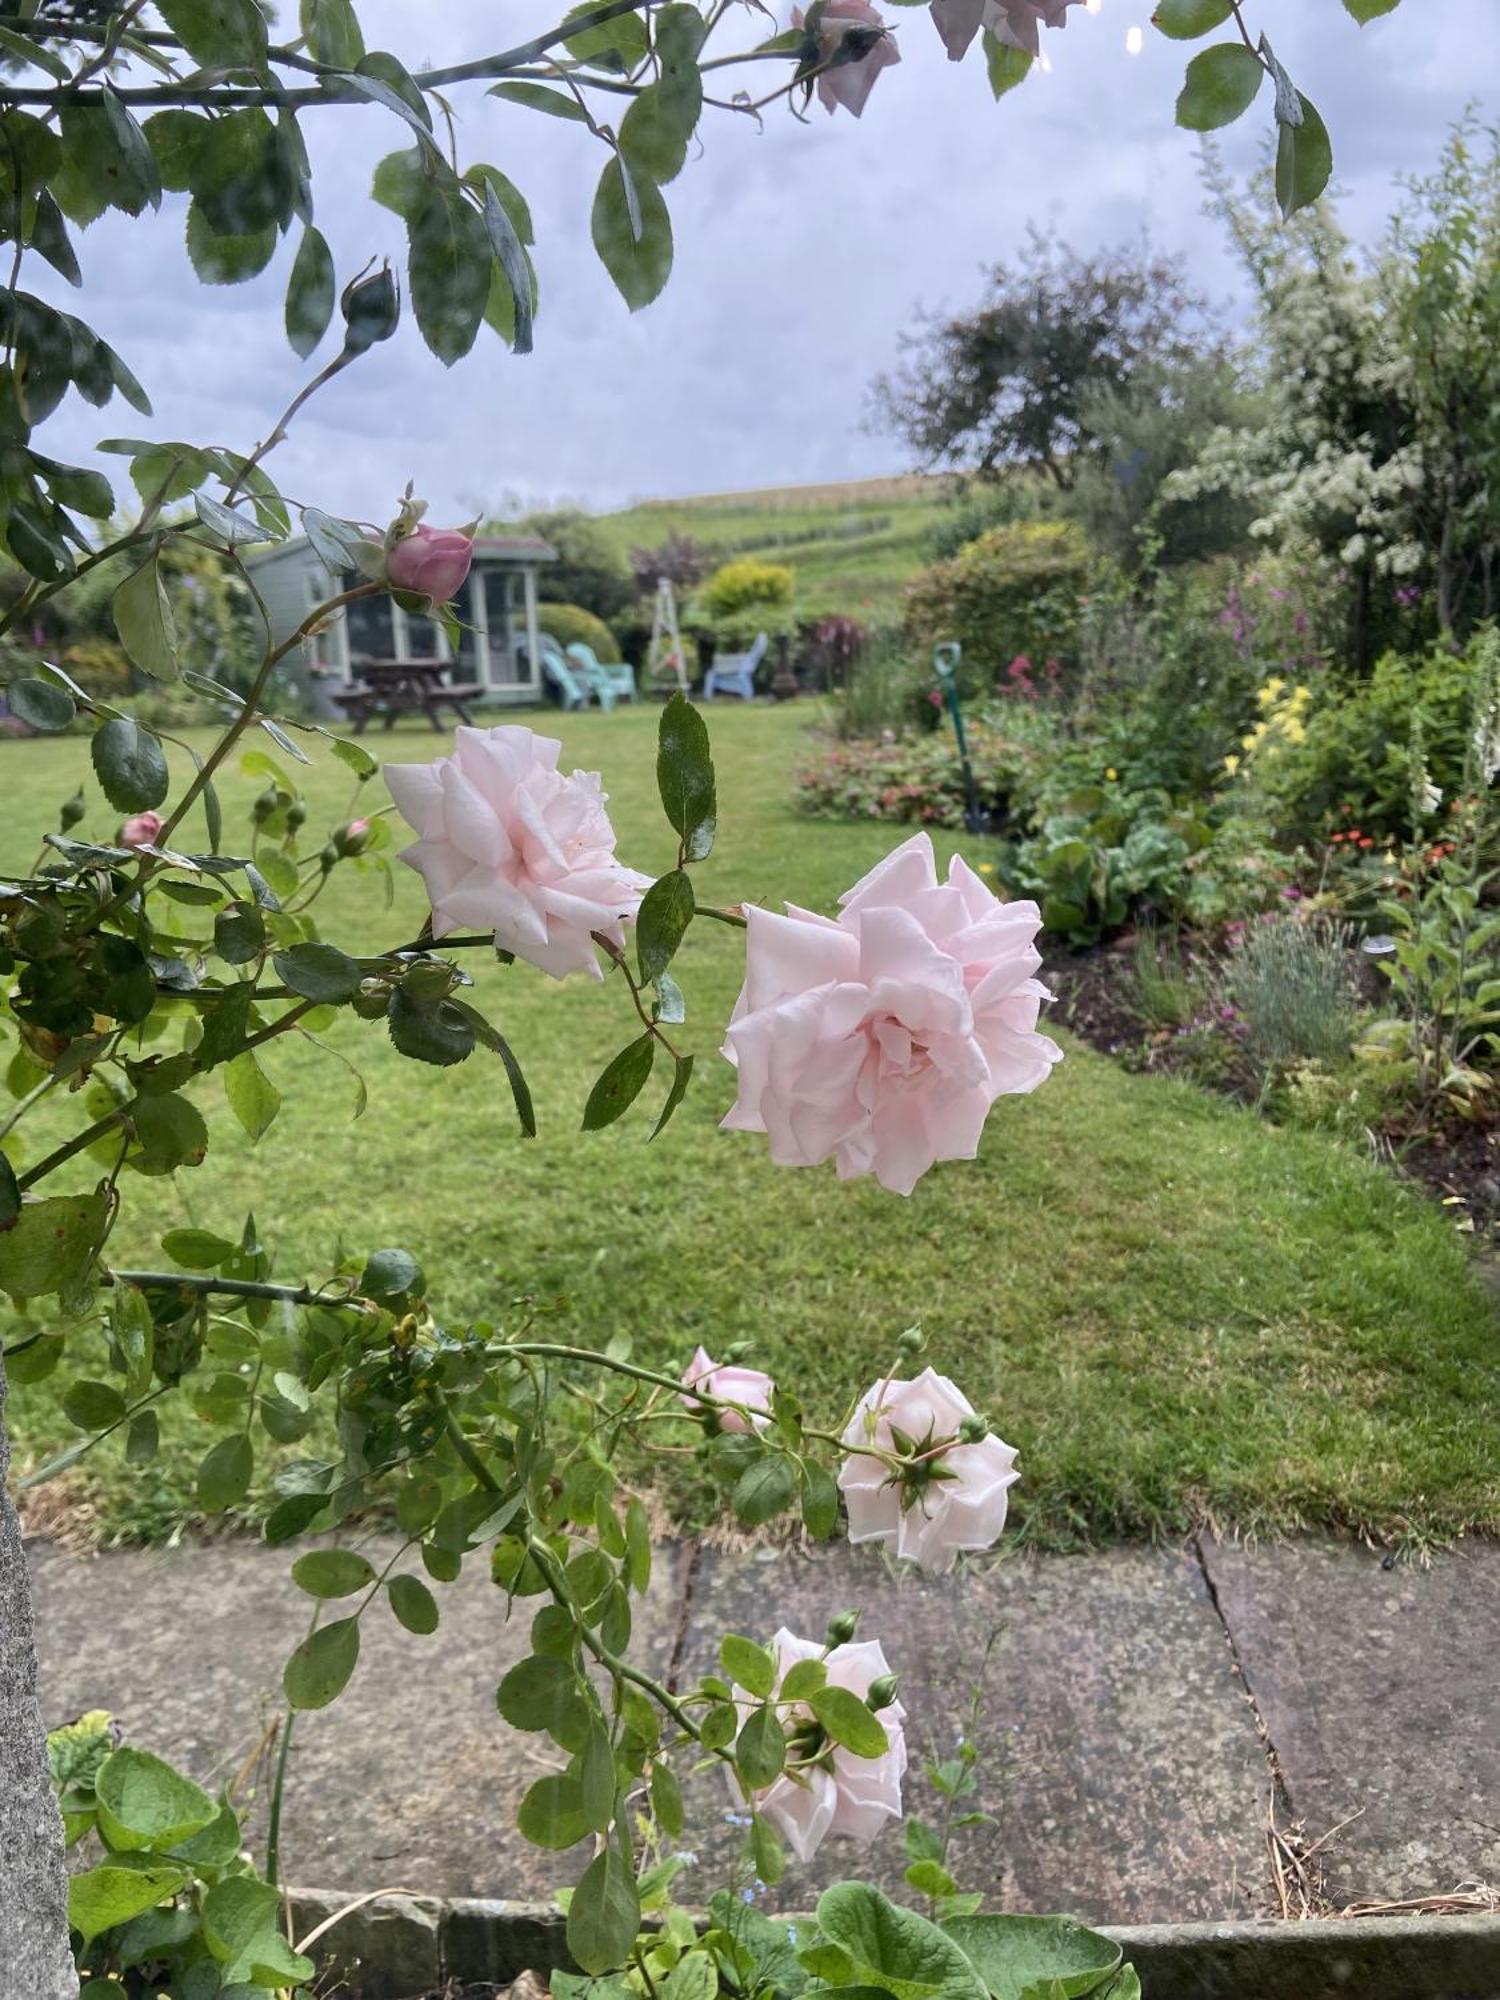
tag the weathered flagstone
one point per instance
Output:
(410, 1780)
(1120, 1759)
(1380, 1691)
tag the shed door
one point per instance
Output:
(505, 617)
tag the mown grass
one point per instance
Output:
(854, 547)
(1175, 1311)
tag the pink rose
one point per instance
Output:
(431, 562)
(953, 1500)
(881, 1040)
(826, 1788)
(731, 1384)
(140, 830)
(1012, 22)
(852, 38)
(506, 843)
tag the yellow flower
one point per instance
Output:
(1231, 765)
(1111, 773)
(1270, 694)
(986, 867)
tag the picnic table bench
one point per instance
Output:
(393, 688)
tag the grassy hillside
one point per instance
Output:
(853, 545)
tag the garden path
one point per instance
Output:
(1147, 1713)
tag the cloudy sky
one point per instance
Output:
(803, 250)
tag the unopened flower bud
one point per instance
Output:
(882, 1692)
(371, 306)
(429, 980)
(329, 857)
(353, 838)
(738, 1349)
(296, 814)
(912, 1341)
(265, 804)
(72, 812)
(371, 999)
(973, 1430)
(140, 830)
(841, 1629)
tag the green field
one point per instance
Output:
(853, 546)
(1176, 1311)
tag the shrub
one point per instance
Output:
(680, 559)
(1352, 763)
(1291, 984)
(570, 624)
(589, 571)
(1014, 592)
(912, 780)
(98, 665)
(737, 587)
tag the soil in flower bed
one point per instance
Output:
(1458, 1162)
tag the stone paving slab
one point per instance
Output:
(409, 1780)
(1380, 1692)
(1119, 1757)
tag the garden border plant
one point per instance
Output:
(138, 967)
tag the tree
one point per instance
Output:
(1026, 380)
(589, 572)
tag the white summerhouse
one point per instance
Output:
(496, 610)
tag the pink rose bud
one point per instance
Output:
(881, 1041)
(353, 838)
(140, 830)
(748, 1387)
(430, 562)
(833, 1790)
(854, 44)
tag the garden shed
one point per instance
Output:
(496, 610)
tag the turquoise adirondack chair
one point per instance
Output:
(562, 673)
(614, 675)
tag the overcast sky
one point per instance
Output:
(803, 250)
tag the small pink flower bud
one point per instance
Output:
(430, 562)
(353, 838)
(140, 830)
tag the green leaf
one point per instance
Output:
(319, 1670)
(102, 1898)
(310, 293)
(596, 1779)
(449, 270)
(1186, 20)
(142, 1438)
(764, 1489)
(231, 528)
(682, 1076)
(1221, 86)
(218, 33)
(634, 240)
(10, 1193)
(391, 1274)
(552, 1814)
(333, 1572)
(760, 1749)
(242, 1927)
(849, 1722)
(542, 1693)
(239, 939)
(537, 97)
(820, 1500)
(803, 1678)
(1365, 11)
(637, 1547)
(666, 1800)
(656, 130)
(170, 1132)
(617, 1087)
(666, 911)
(685, 776)
(893, 1948)
(441, 1035)
(1006, 66)
(219, 258)
(51, 1243)
(224, 1475)
(414, 1604)
(619, 44)
(1304, 160)
(93, 1406)
(253, 1098)
(130, 764)
(143, 620)
(1017, 1956)
(144, 1803)
(42, 704)
(133, 1332)
(319, 972)
(331, 30)
(751, 1665)
(605, 1912)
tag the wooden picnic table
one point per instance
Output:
(393, 688)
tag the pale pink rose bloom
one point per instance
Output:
(731, 1384)
(948, 1516)
(881, 1040)
(1012, 22)
(433, 562)
(849, 83)
(140, 830)
(507, 843)
(842, 1794)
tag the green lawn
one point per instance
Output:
(1176, 1311)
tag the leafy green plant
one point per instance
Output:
(1013, 593)
(568, 624)
(1290, 983)
(1168, 987)
(1100, 860)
